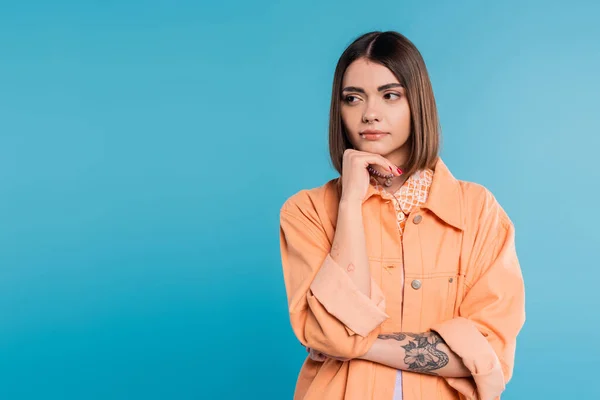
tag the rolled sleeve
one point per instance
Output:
(479, 357)
(340, 296)
(321, 299)
(490, 316)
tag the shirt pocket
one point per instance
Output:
(439, 298)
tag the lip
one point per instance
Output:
(372, 134)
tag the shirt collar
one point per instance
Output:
(444, 198)
(413, 192)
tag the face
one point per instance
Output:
(372, 98)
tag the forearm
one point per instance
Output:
(349, 248)
(425, 353)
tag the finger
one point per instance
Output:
(385, 163)
(376, 159)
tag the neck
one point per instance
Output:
(399, 158)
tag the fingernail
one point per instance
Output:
(391, 170)
(400, 171)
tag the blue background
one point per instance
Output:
(146, 147)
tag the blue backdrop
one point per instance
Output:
(146, 148)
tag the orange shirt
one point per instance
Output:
(461, 278)
(413, 193)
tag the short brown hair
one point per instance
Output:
(397, 53)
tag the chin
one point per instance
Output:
(375, 148)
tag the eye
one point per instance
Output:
(393, 94)
(348, 99)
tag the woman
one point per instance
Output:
(402, 281)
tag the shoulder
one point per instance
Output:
(313, 200)
(311, 210)
(480, 204)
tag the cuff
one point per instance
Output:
(463, 338)
(340, 296)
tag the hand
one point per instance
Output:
(355, 176)
(320, 357)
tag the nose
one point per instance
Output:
(370, 115)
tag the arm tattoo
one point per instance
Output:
(422, 354)
(396, 336)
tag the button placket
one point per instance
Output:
(413, 266)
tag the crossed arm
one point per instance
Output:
(425, 353)
(418, 352)
(333, 310)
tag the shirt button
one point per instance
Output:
(417, 219)
(416, 284)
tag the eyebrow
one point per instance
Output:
(379, 89)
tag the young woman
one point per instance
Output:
(402, 281)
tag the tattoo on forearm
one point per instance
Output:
(396, 336)
(422, 354)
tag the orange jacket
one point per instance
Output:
(461, 278)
